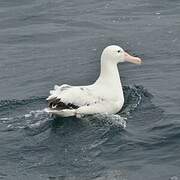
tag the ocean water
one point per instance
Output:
(43, 43)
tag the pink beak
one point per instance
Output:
(132, 59)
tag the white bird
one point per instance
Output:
(104, 96)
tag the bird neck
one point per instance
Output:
(109, 75)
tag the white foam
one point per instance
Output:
(35, 113)
(109, 119)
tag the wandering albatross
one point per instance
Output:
(104, 96)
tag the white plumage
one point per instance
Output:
(105, 96)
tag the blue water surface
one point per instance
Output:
(43, 43)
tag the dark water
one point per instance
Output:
(43, 43)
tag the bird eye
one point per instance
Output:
(119, 51)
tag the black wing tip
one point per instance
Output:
(59, 105)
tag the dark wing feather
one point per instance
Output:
(70, 97)
(58, 105)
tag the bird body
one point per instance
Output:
(105, 96)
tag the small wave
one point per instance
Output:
(133, 96)
(166, 133)
(35, 113)
(5, 119)
(37, 121)
(34, 122)
(14, 102)
(107, 119)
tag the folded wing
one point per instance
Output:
(71, 97)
